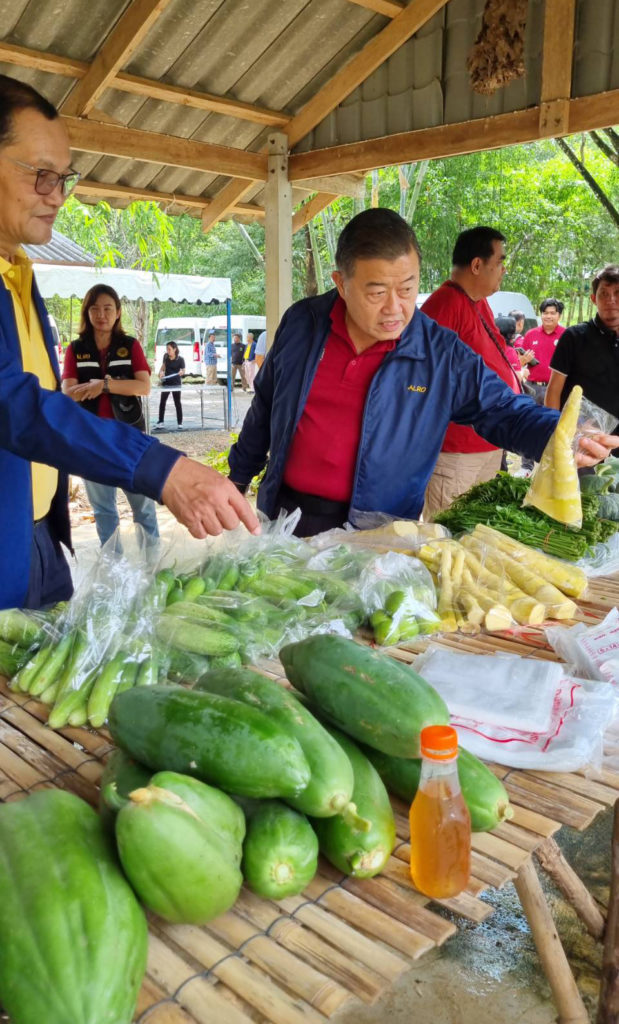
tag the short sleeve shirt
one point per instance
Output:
(543, 346)
(138, 362)
(261, 344)
(588, 354)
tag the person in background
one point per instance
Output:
(542, 342)
(588, 353)
(171, 373)
(237, 352)
(355, 395)
(478, 266)
(520, 318)
(249, 364)
(506, 325)
(210, 360)
(44, 435)
(261, 349)
(106, 370)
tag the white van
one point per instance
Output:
(188, 333)
(53, 326)
(239, 325)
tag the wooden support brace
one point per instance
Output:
(551, 953)
(608, 1006)
(554, 118)
(572, 887)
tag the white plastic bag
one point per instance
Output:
(503, 689)
(593, 651)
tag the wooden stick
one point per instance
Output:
(572, 887)
(608, 1006)
(551, 953)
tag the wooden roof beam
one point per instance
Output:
(108, 190)
(390, 8)
(557, 57)
(310, 209)
(112, 140)
(124, 39)
(147, 87)
(361, 67)
(339, 87)
(597, 111)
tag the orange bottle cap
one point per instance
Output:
(439, 742)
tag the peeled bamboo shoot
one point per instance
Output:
(554, 486)
(568, 578)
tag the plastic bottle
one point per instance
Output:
(439, 819)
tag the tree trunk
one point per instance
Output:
(320, 283)
(311, 283)
(597, 190)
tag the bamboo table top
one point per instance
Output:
(302, 958)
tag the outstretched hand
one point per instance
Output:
(593, 448)
(206, 502)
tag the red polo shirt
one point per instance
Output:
(69, 370)
(323, 454)
(451, 307)
(543, 346)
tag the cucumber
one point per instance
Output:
(211, 737)
(362, 854)
(118, 670)
(52, 669)
(16, 627)
(26, 676)
(484, 794)
(372, 697)
(71, 701)
(280, 852)
(74, 936)
(201, 611)
(330, 787)
(195, 638)
(177, 849)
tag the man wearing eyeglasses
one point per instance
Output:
(44, 435)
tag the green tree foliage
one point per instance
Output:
(557, 231)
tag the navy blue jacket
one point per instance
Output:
(430, 378)
(37, 425)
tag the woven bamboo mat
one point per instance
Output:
(302, 958)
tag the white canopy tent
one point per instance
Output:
(67, 281)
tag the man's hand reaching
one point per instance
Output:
(206, 502)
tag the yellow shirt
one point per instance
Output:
(17, 277)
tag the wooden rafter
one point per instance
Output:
(108, 190)
(597, 111)
(344, 82)
(26, 58)
(557, 56)
(95, 137)
(361, 67)
(124, 39)
(390, 8)
(225, 200)
(308, 211)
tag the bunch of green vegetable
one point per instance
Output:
(604, 484)
(498, 503)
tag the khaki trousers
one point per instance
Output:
(454, 473)
(211, 374)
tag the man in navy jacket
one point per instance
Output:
(44, 435)
(354, 398)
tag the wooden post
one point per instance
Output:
(574, 890)
(278, 233)
(608, 1007)
(551, 953)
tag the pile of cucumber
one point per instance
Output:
(310, 767)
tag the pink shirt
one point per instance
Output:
(543, 346)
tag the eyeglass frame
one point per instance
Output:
(61, 179)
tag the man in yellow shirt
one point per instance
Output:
(43, 434)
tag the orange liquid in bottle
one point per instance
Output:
(440, 839)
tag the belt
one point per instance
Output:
(313, 504)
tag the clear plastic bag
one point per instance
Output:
(589, 651)
(554, 487)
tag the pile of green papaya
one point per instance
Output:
(238, 779)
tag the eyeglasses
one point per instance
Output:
(46, 180)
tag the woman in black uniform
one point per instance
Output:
(171, 372)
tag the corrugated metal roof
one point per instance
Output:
(60, 250)
(279, 55)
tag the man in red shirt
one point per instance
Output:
(461, 304)
(543, 341)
